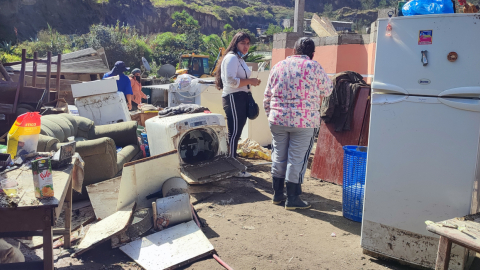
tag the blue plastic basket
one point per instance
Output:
(354, 168)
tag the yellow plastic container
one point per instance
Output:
(23, 135)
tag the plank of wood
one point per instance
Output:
(181, 244)
(106, 228)
(104, 197)
(146, 176)
(443, 255)
(469, 239)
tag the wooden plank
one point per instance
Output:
(57, 79)
(49, 75)
(25, 180)
(68, 214)
(146, 176)
(328, 161)
(104, 197)
(443, 255)
(179, 245)
(469, 239)
(105, 229)
(48, 249)
(4, 72)
(34, 76)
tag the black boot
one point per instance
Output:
(278, 196)
(293, 198)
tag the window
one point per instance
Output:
(206, 68)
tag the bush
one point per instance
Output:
(8, 58)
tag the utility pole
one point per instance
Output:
(298, 20)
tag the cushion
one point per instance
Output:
(71, 119)
(63, 123)
(83, 126)
(126, 155)
(52, 129)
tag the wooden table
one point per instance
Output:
(468, 238)
(34, 217)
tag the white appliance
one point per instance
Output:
(424, 135)
(201, 142)
(85, 89)
(104, 109)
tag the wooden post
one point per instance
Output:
(49, 74)
(34, 78)
(443, 255)
(154, 209)
(48, 241)
(57, 87)
(5, 73)
(21, 81)
(68, 214)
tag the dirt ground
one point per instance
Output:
(249, 232)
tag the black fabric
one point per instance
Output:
(338, 107)
(235, 106)
(253, 110)
(181, 109)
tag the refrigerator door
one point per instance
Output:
(399, 57)
(421, 165)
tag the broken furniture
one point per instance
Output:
(79, 66)
(464, 232)
(201, 140)
(328, 160)
(95, 144)
(179, 245)
(36, 217)
(17, 98)
(101, 102)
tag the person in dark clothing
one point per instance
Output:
(123, 83)
(233, 79)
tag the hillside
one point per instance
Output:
(154, 16)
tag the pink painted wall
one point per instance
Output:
(337, 58)
(325, 55)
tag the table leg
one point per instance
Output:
(48, 248)
(443, 255)
(68, 216)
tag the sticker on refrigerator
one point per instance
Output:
(425, 37)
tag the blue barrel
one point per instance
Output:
(354, 169)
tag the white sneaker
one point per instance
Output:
(243, 175)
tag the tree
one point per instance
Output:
(184, 22)
(272, 30)
(328, 10)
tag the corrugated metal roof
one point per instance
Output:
(83, 61)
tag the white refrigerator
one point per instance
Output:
(424, 135)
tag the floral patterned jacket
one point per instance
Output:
(294, 89)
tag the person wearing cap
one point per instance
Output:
(123, 83)
(136, 87)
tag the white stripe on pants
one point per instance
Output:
(291, 148)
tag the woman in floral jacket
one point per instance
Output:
(292, 103)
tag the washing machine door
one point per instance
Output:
(217, 169)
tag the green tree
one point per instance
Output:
(272, 30)
(328, 10)
(184, 22)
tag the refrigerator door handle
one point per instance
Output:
(462, 104)
(379, 87)
(470, 91)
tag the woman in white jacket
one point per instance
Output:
(233, 78)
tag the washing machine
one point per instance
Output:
(200, 141)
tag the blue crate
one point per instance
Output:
(354, 169)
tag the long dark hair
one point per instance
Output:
(240, 36)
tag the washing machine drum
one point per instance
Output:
(198, 145)
(198, 150)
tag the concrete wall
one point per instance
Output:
(353, 52)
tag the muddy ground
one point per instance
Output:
(249, 232)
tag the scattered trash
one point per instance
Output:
(333, 234)
(248, 228)
(251, 149)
